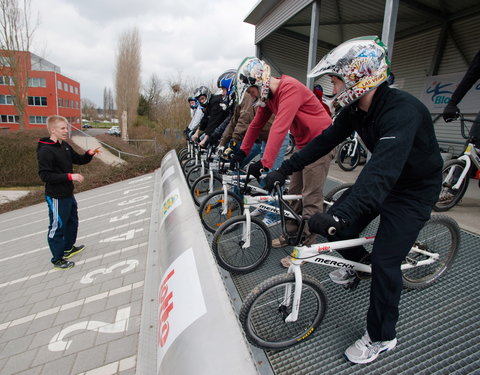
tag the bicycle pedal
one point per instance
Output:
(352, 285)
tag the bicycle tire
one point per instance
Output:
(448, 197)
(228, 241)
(211, 208)
(194, 173)
(200, 187)
(188, 164)
(263, 317)
(344, 160)
(291, 145)
(182, 152)
(440, 235)
(331, 197)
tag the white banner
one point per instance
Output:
(439, 89)
(180, 301)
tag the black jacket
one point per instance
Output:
(214, 115)
(54, 165)
(405, 162)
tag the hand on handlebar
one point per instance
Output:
(256, 169)
(237, 158)
(326, 224)
(451, 112)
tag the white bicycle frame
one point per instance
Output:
(313, 254)
(261, 202)
(469, 155)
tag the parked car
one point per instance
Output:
(86, 126)
(114, 130)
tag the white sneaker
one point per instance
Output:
(269, 222)
(342, 276)
(366, 351)
(256, 212)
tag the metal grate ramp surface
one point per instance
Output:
(438, 329)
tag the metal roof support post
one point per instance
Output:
(312, 48)
(389, 25)
(258, 52)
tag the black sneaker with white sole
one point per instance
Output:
(73, 251)
(63, 264)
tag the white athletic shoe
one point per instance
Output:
(342, 276)
(366, 351)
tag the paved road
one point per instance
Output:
(85, 320)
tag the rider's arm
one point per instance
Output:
(471, 76)
(261, 117)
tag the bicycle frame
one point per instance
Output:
(313, 254)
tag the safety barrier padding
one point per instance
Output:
(188, 323)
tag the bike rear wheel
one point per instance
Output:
(264, 311)
(194, 173)
(348, 156)
(227, 244)
(211, 209)
(440, 235)
(449, 197)
(332, 196)
(201, 187)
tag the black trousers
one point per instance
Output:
(400, 222)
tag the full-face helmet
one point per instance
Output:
(227, 81)
(361, 63)
(253, 72)
(202, 91)
(192, 101)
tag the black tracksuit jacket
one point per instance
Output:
(405, 162)
(55, 161)
(213, 116)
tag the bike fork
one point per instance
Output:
(297, 294)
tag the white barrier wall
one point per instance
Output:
(188, 324)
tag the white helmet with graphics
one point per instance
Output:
(253, 72)
(361, 63)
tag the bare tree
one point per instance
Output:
(110, 104)
(16, 35)
(105, 102)
(153, 96)
(127, 74)
(88, 109)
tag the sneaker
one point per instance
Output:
(279, 242)
(342, 276)
(256, 212)
(270, 222)
(63, 264)
(73, 251)
(366, 351)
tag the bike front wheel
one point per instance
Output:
(201, 187)
(348, 155)
(229, 240)
(266, 307)
(440, 235)
(213, 212)
(449, 197)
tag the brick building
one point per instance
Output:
(49, 93)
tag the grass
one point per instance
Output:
(18, 162)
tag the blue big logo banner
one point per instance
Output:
(439, 89)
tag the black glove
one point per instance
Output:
(237, 157)
(451, 112)
(280, 175)
(256, 169)
(326, 224)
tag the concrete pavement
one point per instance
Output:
(85, 320)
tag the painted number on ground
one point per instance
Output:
(59, 343)
(129, 265)
(133, 200)
(128, 215)
(122, 237)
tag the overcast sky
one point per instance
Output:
(195, 39)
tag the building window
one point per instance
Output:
(38, 120)
(5, 61)
(76, 90)
(37, 100)
(65, 86)
(60, 102)
(6, 99)
(6, 80)
(71, 89)
(77, 105)
(10, 119)
(65, 103)
(37, 82)
(59, 85)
